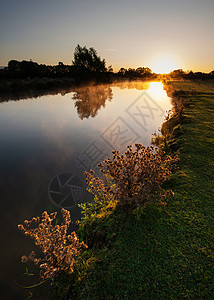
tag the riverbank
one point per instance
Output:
(166, 251)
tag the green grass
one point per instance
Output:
(167, 251)
(198, 86)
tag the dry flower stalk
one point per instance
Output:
(60, 249)
(135, 176)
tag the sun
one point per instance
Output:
(164, 65)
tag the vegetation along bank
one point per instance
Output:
(155, 246)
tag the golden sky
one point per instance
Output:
(126, 33)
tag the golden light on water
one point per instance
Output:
(156, 90)
(164, 65)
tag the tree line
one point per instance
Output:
(190, 75)
(87, 64)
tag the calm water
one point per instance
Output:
(46, 145)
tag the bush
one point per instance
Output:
(168, 125)
(60, 249)
(134, 177)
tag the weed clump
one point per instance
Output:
(60, 250)
(134, 177)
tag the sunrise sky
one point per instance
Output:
(133, 33)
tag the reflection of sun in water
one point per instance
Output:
(156, 90)
(163, 65)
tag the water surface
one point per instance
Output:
(55, 138)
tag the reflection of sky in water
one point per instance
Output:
(45, 136)
(49, 127)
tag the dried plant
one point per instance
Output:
(179, 107)
(60, 250)
(133, 177)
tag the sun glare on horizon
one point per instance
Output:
(163, 65)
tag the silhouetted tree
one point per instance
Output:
(122, 71)
(143, 71)
(110, 69)
(14, 67)
(177, 73)
(87, 60)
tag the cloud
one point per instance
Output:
(111, 49)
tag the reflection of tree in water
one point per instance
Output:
(31, 91)
(89, 99)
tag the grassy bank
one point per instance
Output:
(164, 252)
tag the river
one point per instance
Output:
(46, 144)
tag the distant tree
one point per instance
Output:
(29, 68)
(86, 60)
(122, 71)
(62, 70)
(14, 66)
(212, 73)
(23, 69)
(131, 73)
(177, 73)
(190, 75)
(110, 69)
(142, 71)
